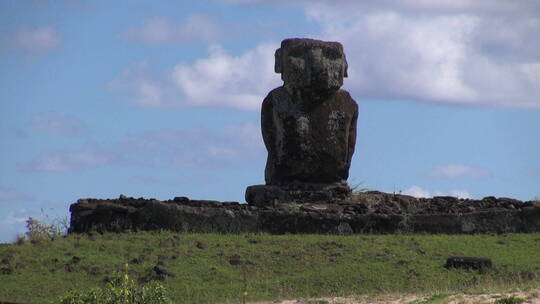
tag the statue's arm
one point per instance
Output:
(352, 133)
(267, 122)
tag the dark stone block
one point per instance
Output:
(300, 193)
(468, 263)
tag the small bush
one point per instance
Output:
(38, 231)
(509, 300)
(121, 289)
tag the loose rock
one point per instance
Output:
(469, 263)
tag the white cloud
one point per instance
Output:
(453, 171)
(460, 193)
(469, 52)
(36, 40)
(11, 195)
(219, 80)
(533, 172)
(459, 52)
(249, 134)
(58, 124)
(151, 94)
(13, 223)
(196, 178)
(398, 57)
(15, 217)
(68, 161)
(222, 80)
(188, 148)
(418, 191)
(435, 58)
(195, 147)
(145, 89)
(157, 30)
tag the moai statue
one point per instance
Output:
(308, 126)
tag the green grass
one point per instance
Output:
(509, 300)
(272, 266)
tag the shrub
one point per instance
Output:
(121, 289)
(37, 230)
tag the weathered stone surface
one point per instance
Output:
(296, 192)
(369, 212)
(310, 141)
(310, 64)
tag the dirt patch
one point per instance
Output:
(528, 297)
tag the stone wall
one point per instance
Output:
(369, 212)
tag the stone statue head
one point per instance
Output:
(311, 64)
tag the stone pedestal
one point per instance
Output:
(297, 192)
(368, 212)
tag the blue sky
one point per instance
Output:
(161, 99)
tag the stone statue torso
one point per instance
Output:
(309, 138)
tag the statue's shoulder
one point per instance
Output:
(346, 98)
(276, 96)
(342, 94)
(278, 93)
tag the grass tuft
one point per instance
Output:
(510, 300)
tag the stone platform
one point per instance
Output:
(368, 212)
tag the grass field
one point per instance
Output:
(214, 268)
